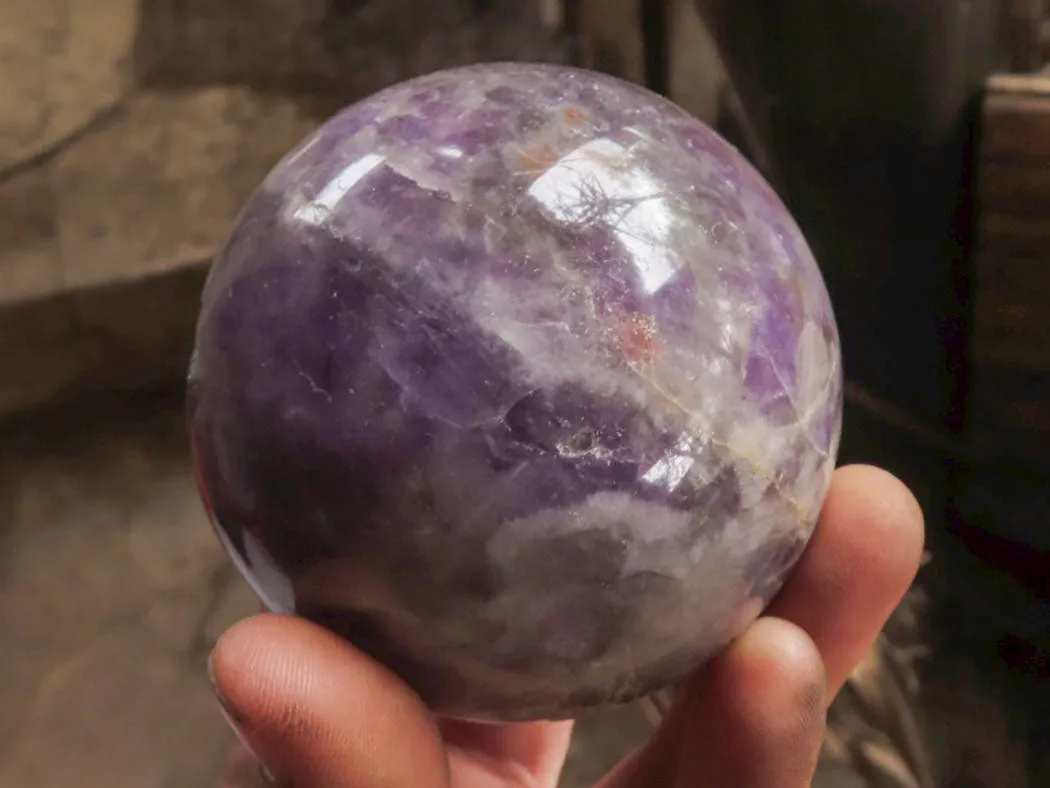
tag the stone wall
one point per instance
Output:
(132, 130)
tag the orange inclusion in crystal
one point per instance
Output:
(638, 340)
(537, 158)
(574, 116)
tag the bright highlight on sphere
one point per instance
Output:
(524, 381)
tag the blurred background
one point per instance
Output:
(911, 138)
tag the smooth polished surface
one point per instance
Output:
(523, 380)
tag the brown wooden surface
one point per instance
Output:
(1010, 397)
(1002, 494)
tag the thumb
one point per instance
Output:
(318, 713)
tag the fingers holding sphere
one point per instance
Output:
(317, 712)
(858, 565)
(752, 718)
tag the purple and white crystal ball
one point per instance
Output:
(523, 380)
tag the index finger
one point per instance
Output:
(861, 560)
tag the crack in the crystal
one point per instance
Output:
(433, 183)
(310, 381)
(762, 352)
(819, 402)
(754, 464)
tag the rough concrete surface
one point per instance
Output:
(112, 588)
(131, 132)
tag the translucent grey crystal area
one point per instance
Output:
(524, 381)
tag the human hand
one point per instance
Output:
(321, 714)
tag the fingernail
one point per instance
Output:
(236, 721)
(268, 779)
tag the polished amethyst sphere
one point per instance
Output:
(524, 381)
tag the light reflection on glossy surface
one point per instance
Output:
(524, 381)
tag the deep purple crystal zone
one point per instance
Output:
(524, 381)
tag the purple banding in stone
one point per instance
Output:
(523, 380)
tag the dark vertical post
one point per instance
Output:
(570, 22)
(655, 24)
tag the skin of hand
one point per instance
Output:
(320, 714)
